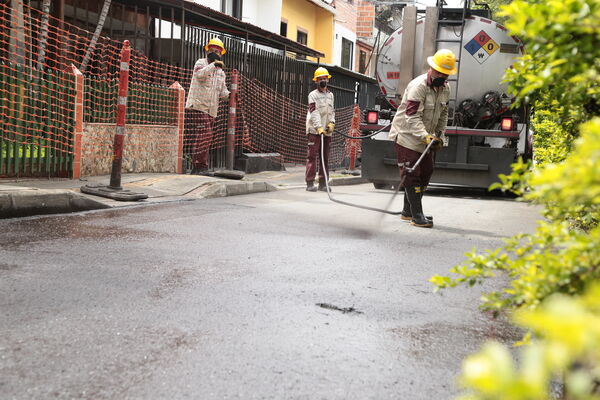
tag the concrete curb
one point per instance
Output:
(237, 188)
(16, 201)
(27, 202)
(347, 180)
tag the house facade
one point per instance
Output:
(343, 30)
(265, 14)
(309, 22)
(354, 35)
(365, 38)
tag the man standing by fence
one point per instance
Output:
(320, 120)
(206, 90)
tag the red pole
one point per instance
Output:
(354, 131)
(180, 112)
(232, 120)
(78, 122)
(115, 175)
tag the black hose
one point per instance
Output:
(361, 137)
(405, 172)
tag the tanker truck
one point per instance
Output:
(485, 135)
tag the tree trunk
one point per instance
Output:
(17, 33)
(92, 46)
(43, 41)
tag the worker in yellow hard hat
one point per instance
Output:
(421, 119)
(320, 120)
(217, 44)
(206, 90)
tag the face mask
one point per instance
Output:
(438, 81)
(323, 84)
(213, 57)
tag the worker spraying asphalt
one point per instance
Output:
(417, 129)
(385, 210)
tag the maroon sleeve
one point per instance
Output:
(312, 107)
(412, 106)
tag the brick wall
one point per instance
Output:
(346, 14)
(365, 18)
(367, 50)
(358, 17)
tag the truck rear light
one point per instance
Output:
(372, 117)
(506, 124)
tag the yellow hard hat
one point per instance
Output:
(443, 61)
(321, 72)
(215, 42)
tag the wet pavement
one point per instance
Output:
(279, 295)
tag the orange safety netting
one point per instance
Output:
(272, 123)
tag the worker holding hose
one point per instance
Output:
(320, 120)
(421, 119)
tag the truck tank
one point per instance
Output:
(477, 147)
(487, 51)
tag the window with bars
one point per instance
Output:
(362, 62)
(302, 37)
(283, 28)
(347, 49)
(232, 7)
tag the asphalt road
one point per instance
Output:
(219, 299)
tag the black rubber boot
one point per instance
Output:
(414, 198)
(323, 187)
(406, 214)
(429, 217)
(310, 187)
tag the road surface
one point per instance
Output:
(280, 295)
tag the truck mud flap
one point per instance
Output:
(379, 164)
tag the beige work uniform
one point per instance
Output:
(423, 111)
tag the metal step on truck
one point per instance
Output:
(484, 134)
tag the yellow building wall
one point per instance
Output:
(324, 35)
(314, 20)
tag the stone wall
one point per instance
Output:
(148, 148)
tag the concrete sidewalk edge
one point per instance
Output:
(33, 201)
(233, 188)
(24, 203)
(347, 180)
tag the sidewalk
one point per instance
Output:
(29, 196)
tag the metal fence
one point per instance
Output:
(164, 34)
(35, 131)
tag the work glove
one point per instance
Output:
(330, 127)
(219, 64)
(320, 131)
(431, 138)
(437, 145)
